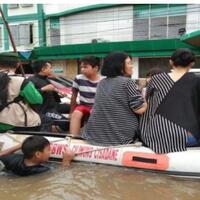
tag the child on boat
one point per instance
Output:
(85, 85)
(36, 151)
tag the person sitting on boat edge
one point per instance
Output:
(36, 151)
(118, 102)
(85, 85)
(52, 108)
(172, 120)
(17, 95)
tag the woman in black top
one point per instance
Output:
(171, 122)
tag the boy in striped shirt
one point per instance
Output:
(85, 85)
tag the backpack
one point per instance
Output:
(4, 80)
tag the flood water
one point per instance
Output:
(84, 181)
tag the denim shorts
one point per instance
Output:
(191, 140)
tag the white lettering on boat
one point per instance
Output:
(96, 153)
(87, 151)
(58, 149)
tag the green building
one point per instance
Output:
(65, 33)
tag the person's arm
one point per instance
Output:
(68, 156)
(30, 93)
(136, 101)
(39, 86)
(10, 150)
(48, 88)
(142, 109)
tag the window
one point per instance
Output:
(176, 23)
(15, 33)
(25, 34)
(158, 21)
(54, 31)
(26, 5)
(147, 63)
(158, 27)
(141, 29)
(55, 36)
(141, 22)
(109, 24)
(22, 34)
(13, 6)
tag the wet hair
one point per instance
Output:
(114, 63)
(38, 65)
(154, 71)
(183, 57)
(91, 60)
(33, 144)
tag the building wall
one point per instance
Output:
(103, 25)
(58, 8)
(147, 63)
(67, 68)
(72, 68)
(22, 9)
(193, 18)
(59, 67)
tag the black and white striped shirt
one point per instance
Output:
(86, 89)
(157, 132)
(112, 121)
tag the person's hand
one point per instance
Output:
(68, 156)
(62, 94)
(69, 116)
(48, 87)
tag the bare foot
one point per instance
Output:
(68, 155)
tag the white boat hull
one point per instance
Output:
(185, 163)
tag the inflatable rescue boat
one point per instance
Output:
(186, 164)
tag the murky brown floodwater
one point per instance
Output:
(90, 181)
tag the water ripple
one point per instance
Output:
(90, 181)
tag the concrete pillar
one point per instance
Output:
(135, 74)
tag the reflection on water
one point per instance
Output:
(90, 181)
